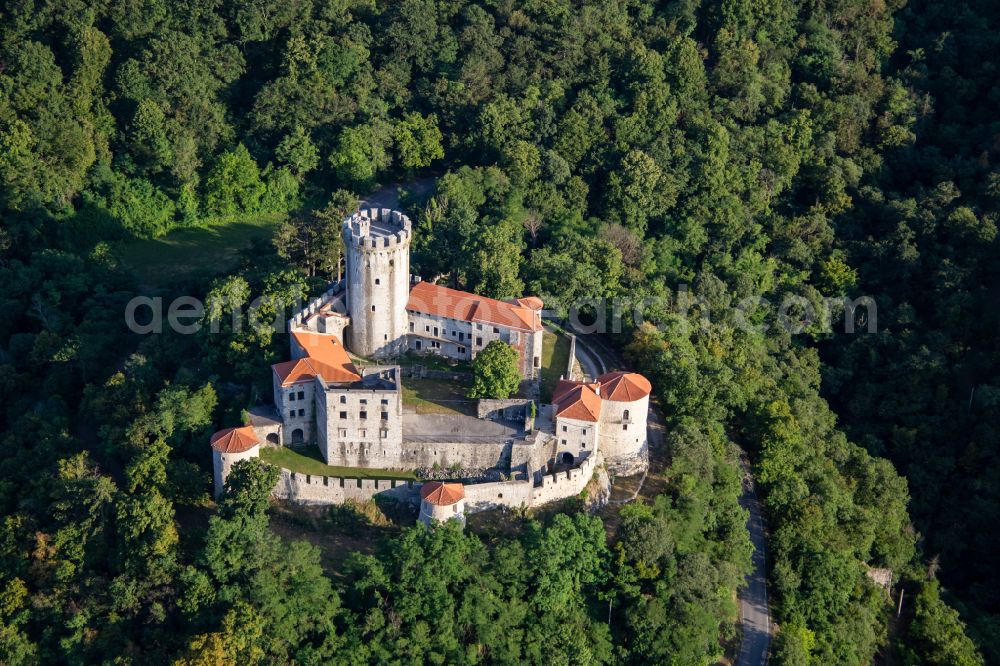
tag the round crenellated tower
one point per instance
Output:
(377, 254)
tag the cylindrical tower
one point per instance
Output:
(441, 502)
(230, 446)
(624, 408)
(377, 254)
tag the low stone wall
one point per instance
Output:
(315, 489)
(512, 409)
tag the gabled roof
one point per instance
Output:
(442, 494)
(234, 440)
(577, 400)
(325, 357)
(624, 386)
(442, 301)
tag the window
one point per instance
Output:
(625, 415)
(584, 431)
(625, 427)
(343, 415)
(455, 508)
(378, 281)
(479, 342)
(385, 416)
(291, 397)
(565, 428)
(385, 403)
(384, 434)
(418, 345)
(364, 401)
(514, 336)
(461, 337)
(363, 415)
(411, 327)
(302, 395)
(427, 329)
(362, 434)
(302, 412)
(342, 432)
(461, 350)
(373, 308)
(499, 495)
(435, 331)
(538, 361)
(496, 330)
(564, 442)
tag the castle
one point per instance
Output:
(522, 454)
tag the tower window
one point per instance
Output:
(343, 399)
(378, 281)
(373, 308)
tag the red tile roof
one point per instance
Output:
(442, 494)
(325, 357)
(234, 440)
(577, 400)
(442, 301)
(624, 386)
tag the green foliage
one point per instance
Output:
(495, 371)
(234, 184)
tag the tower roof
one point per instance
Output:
(325, 357)
(577, 400)
(234, 440)
(442, 494)
(442, 301)
(624, 386)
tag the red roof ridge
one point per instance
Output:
(447, 302)
(234, 440)
(623, 386)
(442, 494)
(577, 400)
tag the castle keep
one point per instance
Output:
(522, 454)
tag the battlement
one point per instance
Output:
(377, 229)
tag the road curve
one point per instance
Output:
(755, 611)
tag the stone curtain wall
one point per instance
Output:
(315, 489)
(516, 409)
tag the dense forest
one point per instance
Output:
(719, 153)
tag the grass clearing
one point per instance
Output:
(437, 396)
(433, 362)
(555, 359)
(309, 460)
(210, 249)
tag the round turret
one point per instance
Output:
(624, 407)
(377, 254)
(229, 446)
(440, 502)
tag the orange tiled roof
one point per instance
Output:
(325, 357)
(624, 386)
(445, 302)
(577, 400)
(442, 494)
(234, 440)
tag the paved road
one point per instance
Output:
(754, 606)
(590, 360)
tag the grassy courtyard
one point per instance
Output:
(555, 359)
(437, 396)
(213, 248)
(310, 461)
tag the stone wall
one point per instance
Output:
(512, 409)
(315, 489)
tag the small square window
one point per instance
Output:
(343, 415)
(496, 330)
(364, 401)
(385, 403)
(291, 397)
(385, 416)
(302, 412)
(564, 442)
(625, 427)
(565, 428)
(378, 281)
(343, 399)
(363, 415)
